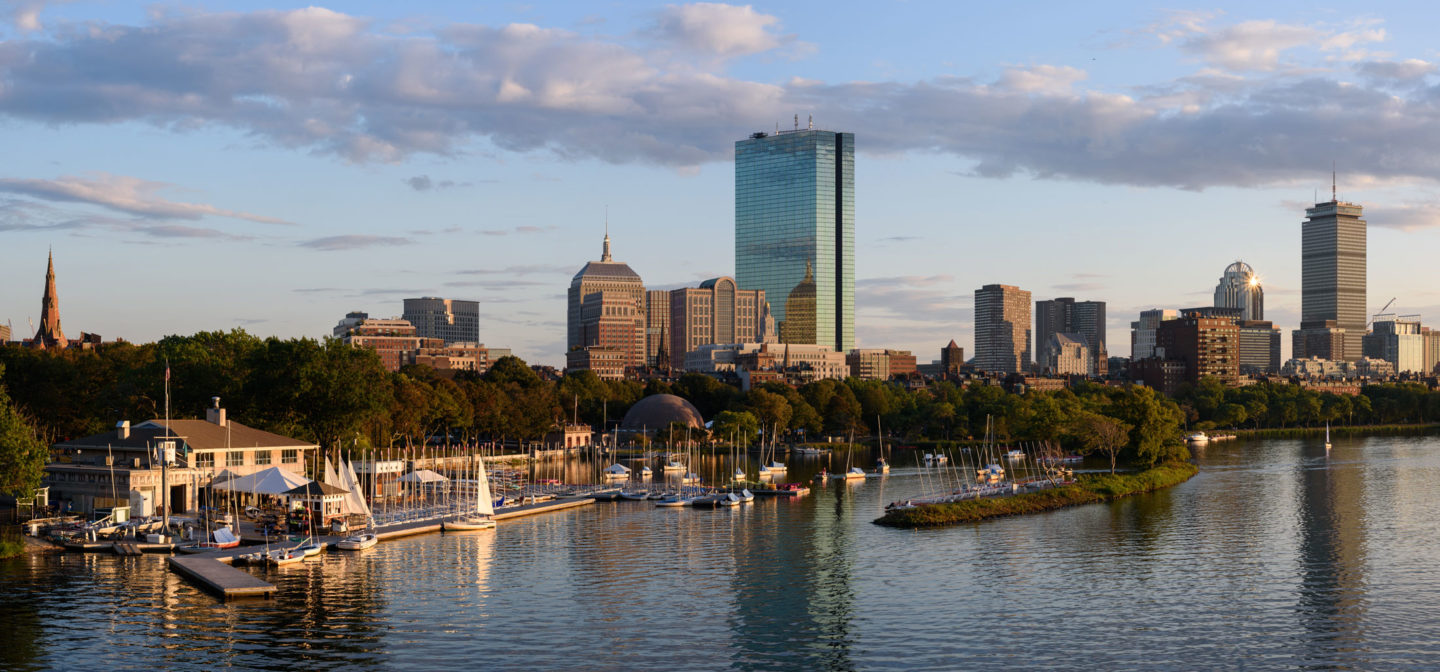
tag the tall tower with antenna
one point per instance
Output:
(1332, 279)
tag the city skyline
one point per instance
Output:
(263, 222)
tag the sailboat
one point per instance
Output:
(1327, 436)
(481, 518)
(881, 466)
(355, 502)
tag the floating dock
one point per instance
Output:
(509, 512)
(219, 578)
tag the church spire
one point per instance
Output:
(50, 334)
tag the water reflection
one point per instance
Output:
(1274, 556)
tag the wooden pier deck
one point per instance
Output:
(219, 578)
(508, 512)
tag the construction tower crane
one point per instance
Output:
(1378, 314)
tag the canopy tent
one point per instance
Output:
(224, 475)
(272, 481)
(423, 476)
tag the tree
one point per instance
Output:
(22, 453)
(738, 426)
(1103, 435)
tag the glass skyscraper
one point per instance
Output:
(795, 231)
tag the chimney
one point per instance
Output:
(122, 429)
(215, 415)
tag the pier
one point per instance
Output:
(219, 578)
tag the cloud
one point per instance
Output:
(120, 193)
(1080, 286)
(324, 82)
(719, 29)
(520, 270)
(912, 300)
(353, 242)
(424, 183)
(1408, 70)
(1404, 216)
(524, 228)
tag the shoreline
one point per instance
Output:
(1336, 430)
(1088, 489)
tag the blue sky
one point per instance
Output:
(215, 165)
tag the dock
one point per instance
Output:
(508, 512)
(219, 578)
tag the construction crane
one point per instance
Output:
(1378, 314)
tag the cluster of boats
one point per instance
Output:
(1039, 468)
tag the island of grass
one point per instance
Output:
(1087, 489)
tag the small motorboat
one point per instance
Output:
(1197, 437)
(728, 499)
(854, 473)
(670, 501)
(1016, 454)
(285, 557)
(746, 495)
(312, 548)
(358, 542)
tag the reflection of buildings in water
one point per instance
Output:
(1332, 559)
(793, 584)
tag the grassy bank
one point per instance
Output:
(1347, 430)
(1088, 489)
(12, 544)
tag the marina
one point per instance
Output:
(1325, 546)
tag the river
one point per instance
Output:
(1274, 557)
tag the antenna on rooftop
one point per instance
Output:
(797, 122)
(1333, 197)
(810, 122)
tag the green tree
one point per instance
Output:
(739, 426)
(1102, 435)
(22, 453)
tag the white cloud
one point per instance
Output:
(719, 29)
(1407, 70)
(121, 193)
(353, 242)
(1047, 79)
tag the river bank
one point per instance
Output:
(1338, 430)
(1088, 489)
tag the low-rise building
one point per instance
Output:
(607, 363)
(880, 363)
(123, 467)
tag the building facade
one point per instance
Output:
(1324, 339)
(879, 363)
(450, 320)
(1067, 355)
(657, 327)
(1002, 329)
(1142, 331)
(1259, 347)
(795, 231)
(1239, 287)
(1398, 340)
(620, 322)
(1332, 276)
(1208, 346)
(393, 339)
(1065, 315)
(952, 359)
(716, 312)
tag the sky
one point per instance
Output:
(219, 165)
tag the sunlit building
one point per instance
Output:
(1332, 280)
(1002, 329)
(795, 231)
(1239, 287)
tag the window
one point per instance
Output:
(290, 456)
(234, 458)
(205, 460)
(262, 457)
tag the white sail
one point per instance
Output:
(484, 505)
(330, 477)
(354, 500)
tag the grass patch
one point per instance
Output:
(1338, 430)
(12, 545)
(1088, 489)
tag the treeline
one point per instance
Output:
(332, 394)
(1210, 404)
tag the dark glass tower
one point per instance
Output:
(795, 231)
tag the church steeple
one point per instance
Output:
(605, 255)
(50, 334)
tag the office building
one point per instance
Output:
(450, 320)
(1067, 355)
(1259, 347)
(1323, 339)
(1397, 340)
(1002, 329)
(717, 312)
(1332, 279)
(607, 308)
(1207, 346)
(1239, 287)
(795, 231)
(395, 340)
(1142, 331)
(657, 328)
(879, 363)
(952, 358)
(1065, 315)
(1432, 348)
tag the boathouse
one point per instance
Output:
(122, 467)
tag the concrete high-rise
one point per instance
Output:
(795, 231)
(1142, 331)
(1002, 329)
(1065, 315)
(450, 320)
(1239, 287)
(1332, 278)
(607, 309)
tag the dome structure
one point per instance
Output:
(659, 410)
(1240, 268)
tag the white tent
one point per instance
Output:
(423, 476)
(272, 481)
